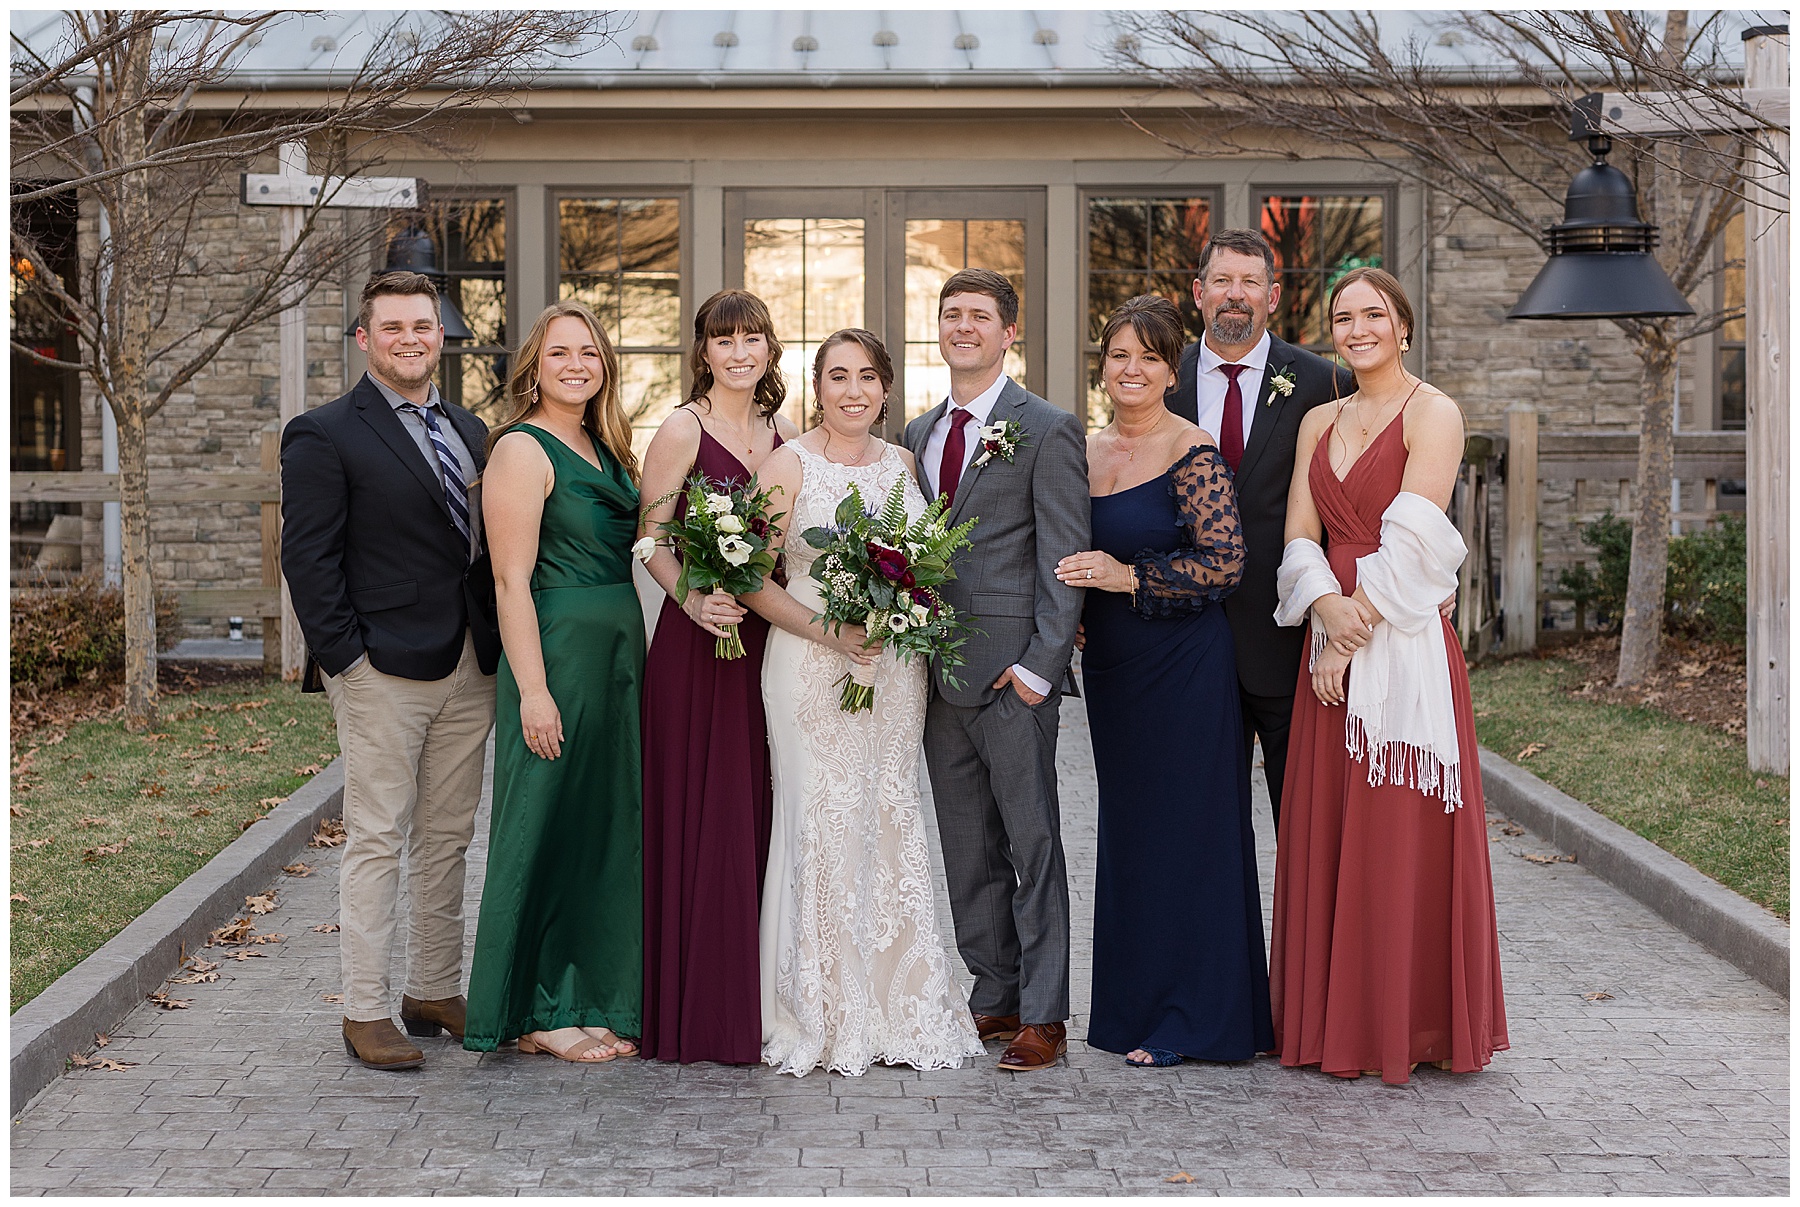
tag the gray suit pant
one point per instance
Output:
(993, 783)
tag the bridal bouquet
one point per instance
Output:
(878, 571)
(722, 541)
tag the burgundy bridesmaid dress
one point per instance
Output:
(707, 809)
(1385, 950)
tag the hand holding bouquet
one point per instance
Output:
(722, 540)
(878, 571)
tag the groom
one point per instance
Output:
(1251, 389)
(990, 745)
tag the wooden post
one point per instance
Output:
(1519, 566)
(1766, 405)
(271, 558)
(292, 645)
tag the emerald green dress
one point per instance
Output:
(559, 942)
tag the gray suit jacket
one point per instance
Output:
(1034, 512)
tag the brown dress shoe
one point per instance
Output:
(996, 1026)
(379, 1045)
(1036, 1047)
(428, 1018)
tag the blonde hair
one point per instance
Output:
(603, 417)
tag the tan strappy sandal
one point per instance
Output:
(574, 1053)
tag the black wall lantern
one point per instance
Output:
(1600, 263)
(414, 250)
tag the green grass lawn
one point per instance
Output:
(1685, 787)
(105, 822)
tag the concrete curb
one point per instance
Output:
(1730, 926)
(101, 990)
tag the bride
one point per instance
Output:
(853, 968)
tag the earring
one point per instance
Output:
(1405, 344)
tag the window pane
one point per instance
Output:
(474, 236)
(1291, 224)
(482, 302)
(1317, 240)
(649, 389)
(588, 238)
(999, 246)
(810, 272)
(476, 380)
(599, 294)
(1117, 238)
(650, 234)
(1731, 388)
(1733, 331)
(650, 310)
(1298, 319)
(1178, 230)
(1350, 231)
(1107, 291)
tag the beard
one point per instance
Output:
(1233, 326)
(408, 373)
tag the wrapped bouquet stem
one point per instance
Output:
(877, 569)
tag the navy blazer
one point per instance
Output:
(373, 560)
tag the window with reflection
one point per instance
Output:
(935, 249)
(1731, 363)
(1317, 239)
(621, 256)
(810, 272)
(470, 238)
(1138, 245)
(46, 400)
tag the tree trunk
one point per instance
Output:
(1641, 641)
(140, 585)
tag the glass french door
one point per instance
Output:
(830, 258)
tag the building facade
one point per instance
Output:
(842, 165)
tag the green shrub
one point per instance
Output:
(67, 635)
(1704, 595)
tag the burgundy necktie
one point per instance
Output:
(951, 467)
(1231, 426)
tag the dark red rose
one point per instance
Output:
(908, 581)
(759, 526)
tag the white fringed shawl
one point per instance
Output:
(1401, 718)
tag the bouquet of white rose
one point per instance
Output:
(722, 539)
(883, 573)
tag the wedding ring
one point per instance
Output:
(1090, 573)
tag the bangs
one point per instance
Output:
(735, 311)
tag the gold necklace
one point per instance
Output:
(1131, 453)
(854, 462)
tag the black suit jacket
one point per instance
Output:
(1268, 656)
(373, 560)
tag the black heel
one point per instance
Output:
(421, 1027)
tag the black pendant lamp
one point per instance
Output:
(414, 250)
(1600, 263)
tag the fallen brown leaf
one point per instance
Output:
(1182, 1176)
(272, 937)
(90, 854)
(1549, 858)
(238, 930)
(35, 843)
(299, 870)
(290, 721)
(250, 821)
(1512, 829)
(88, 823)
(101, 1039)
(101, 1063)
(260, 746)
(329, 834)
(261, 903)
(331, 997)
(21, 810)
(269, 802)
(326, 928)
(21, 898)
(1534, 748)
(1597, 996)
(165, 1002)
(309, 769)
(249, 705)
(243, 953)
(200, 811)
(195, 977)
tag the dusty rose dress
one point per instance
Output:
(1385, 950)
(707, 809)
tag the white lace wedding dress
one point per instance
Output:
(854, 970)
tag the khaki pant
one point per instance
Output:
(413, 754)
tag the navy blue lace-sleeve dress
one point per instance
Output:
(1178, 936)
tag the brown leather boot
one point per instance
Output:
(996, 1026)
(379, 1045)
(428, 1018)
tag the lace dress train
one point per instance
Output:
(854, 970)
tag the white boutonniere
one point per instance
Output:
(1002, 440)
(1282, 383)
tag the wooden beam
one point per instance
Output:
(1518, 558)
(356, 192)
(1685, 113)
(271, 561)
(1767, 382)
(166, 486)
(213, 602)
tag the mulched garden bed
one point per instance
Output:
(1699, 681)
(34, 711)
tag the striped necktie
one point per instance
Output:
(456, 493)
